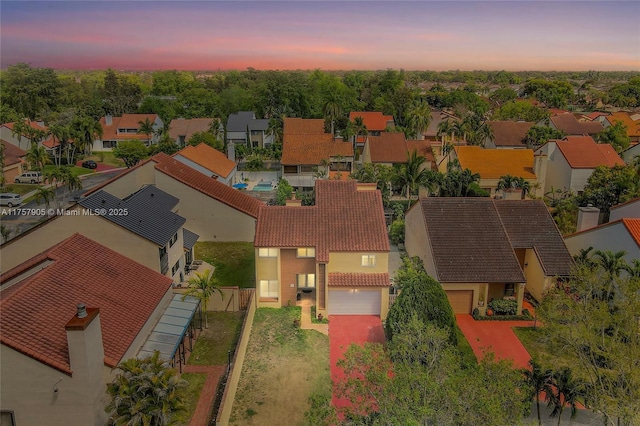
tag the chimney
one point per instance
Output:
(587, 217)
(231, 152)
(86, 358)
(108, 119)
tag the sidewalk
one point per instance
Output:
(207, 396)
(305, 320)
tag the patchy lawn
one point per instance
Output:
(283, 367)
(531, 339)
(234, 262)
(214, 343)
(106, 158)
(192, 394)
(19, 188)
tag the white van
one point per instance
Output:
(29, 177)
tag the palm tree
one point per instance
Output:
(146, 128)
(332, 110)
(69, 179)
(413, 174)
(19, 131)
(566, 390)
(444, 129)
(459, 129)
(87, 130)
(539, 380)
(418, 118)
(202, 286)
(613, 264)
(146, 392)
(634, 268)
(46, 195)
(63, 135)
(37, 157)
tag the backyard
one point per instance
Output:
(234, 262)
(283, 367)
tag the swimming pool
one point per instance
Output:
(263, 186)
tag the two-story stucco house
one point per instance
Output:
(126, 127)
(244, 128)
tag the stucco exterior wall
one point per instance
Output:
(579, 178)
(558, 172)
(212, 220)
(613, 237)
(7, 135)
(267, 268)
(10, 172)
(131, 182)
(534, 274)
(475, 287)
(290, 266)
(416, 240)
(629, 210)
(100, 230)
(352, 262)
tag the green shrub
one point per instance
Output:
(504, 306)
(475, 313)
(396, 232)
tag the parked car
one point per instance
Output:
(89, 164)
(29, 177)
(10, 199)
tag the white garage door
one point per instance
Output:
(354, 302)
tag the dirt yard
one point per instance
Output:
(283, 367)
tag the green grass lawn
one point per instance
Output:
(283, 367)
(192, 394)
(78, 171)
(234, 262)
(214, 343)
(531, 339)
(466, 353)
(19, 188)
(105, 158)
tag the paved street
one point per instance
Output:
(20, 223)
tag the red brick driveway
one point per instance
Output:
(495, 336)
(345, 330)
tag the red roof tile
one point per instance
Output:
(570, 125)
(12, 154)
(343, 220)
(389, 147)
(302, 126)
(633, 127)
(35, 310)
(127, 121)
(633, 226)
(373, 121)
(341, 279)
(311, 149)
(208, 186)
(582, 152)
(509, 133)
(424, 149)
(209, 158)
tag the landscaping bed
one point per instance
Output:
(214, 343)
(283, 367)
(234, 262)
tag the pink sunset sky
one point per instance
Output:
(330, 35)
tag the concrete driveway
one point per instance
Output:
(345, 330)
(495, 336)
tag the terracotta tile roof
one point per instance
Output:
(187, 127)
(12, 154)
(49, 142)
(208, 186)
(468, 241)
(592, 116)
(494, 163)
(343, 220)
(35, 310)
(302, 126)
(633, 127)
(389, 147)
(373, 121)
(209, 158)
(299, 149)
(529, 225)
(570, 125)
(509, 133)
(341, 279)
(633, 226)
(582, 152)
(424, 149)
(127, 121)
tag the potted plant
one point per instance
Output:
(489, 312)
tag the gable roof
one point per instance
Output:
(311, 149)
(189, 239)
(132, 121)
(77, 270)
(633, 127)
(304, 126)
(633, 226)
(423, 148)
(468, 241)
(239, 121)
(12, 154)
(344, 219)
(494, 163)
(209, 158)
(509, 133)
(529, 225)
(127, 121)
(207, 185)
(582, 152)
(147, 212)
(187, 127)
(48, 142)
(570, 125)
(373, 120)
(389, 147)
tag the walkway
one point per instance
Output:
(345, 330)
(305, 320)
(495, 336)
(208, 394)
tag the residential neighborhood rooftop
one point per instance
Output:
(209, 158)
(389, 147)
(633, 126)
(373, 120)
(495, 163)
(245, 120)
(582, 152)
(12, 154)
(356, 279)
(302, 126)
(187, 127)
(45, 290)
(569, 124)
(311, 149)
(509, 133)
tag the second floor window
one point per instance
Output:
(267, 252)
(306, 252)
(173, 239)
(369, 260)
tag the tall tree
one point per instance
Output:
(539, 380)
(131, 152)
(86, 130)
(146, 392)
(566, 390)
(146, 128)
(45, 195)
(616, 135)
(414, 174)
(37, 157)
(418, 118)
(332, 110)
(202, 286)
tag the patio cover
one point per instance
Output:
(171, 328)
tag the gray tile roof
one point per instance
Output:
(189, 239)
(239, 121)
(146, 216)
(151, 194)
(468, 241)
(529, 225)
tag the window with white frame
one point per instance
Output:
(306, 252)
(369, 260)
(306, 280)
(269, 288)
(267, 252)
